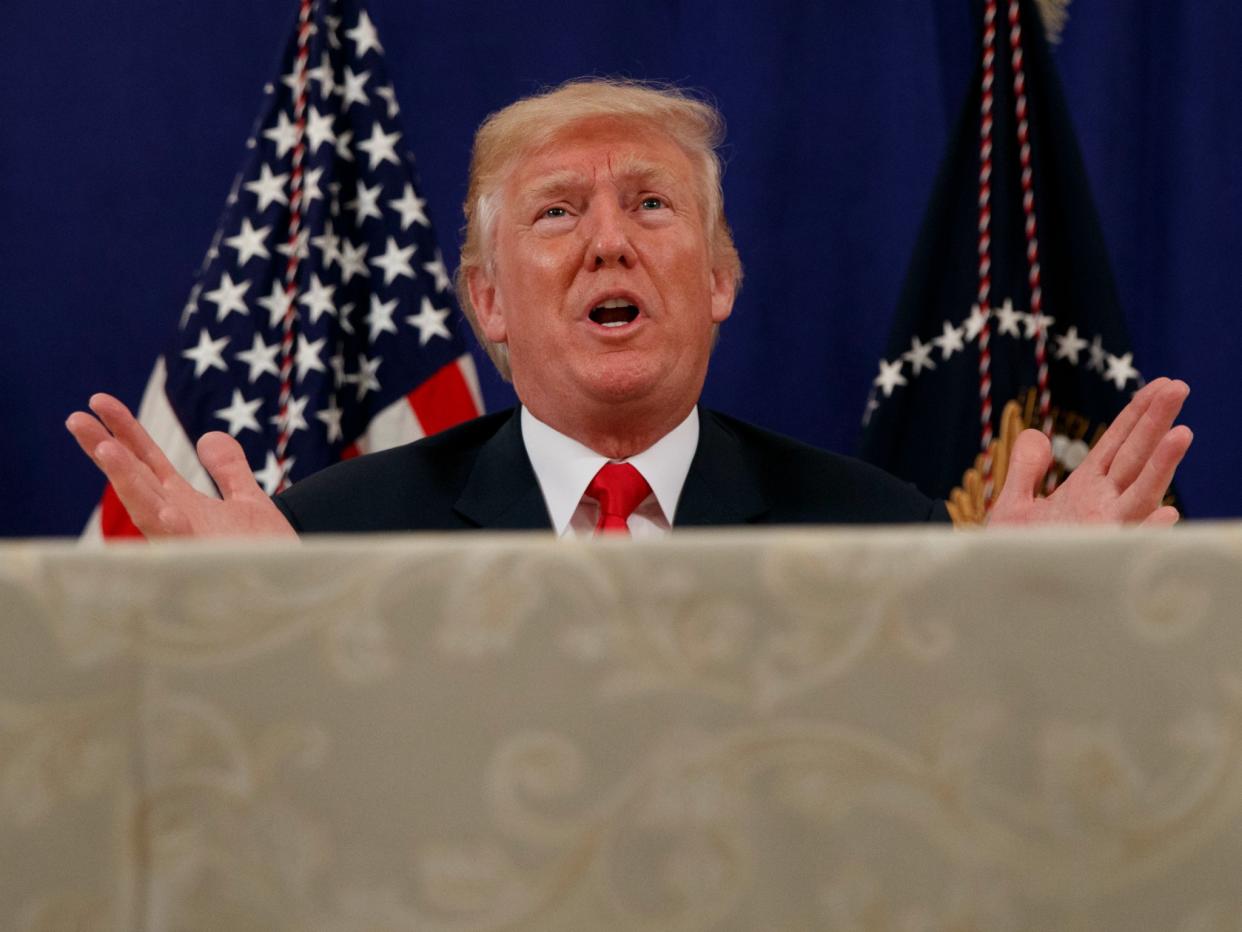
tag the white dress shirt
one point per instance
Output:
(564, 469)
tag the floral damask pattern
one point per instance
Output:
(785, 730)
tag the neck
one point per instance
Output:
(618, 435)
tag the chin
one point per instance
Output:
(623, 381)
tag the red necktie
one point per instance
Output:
(619, 488)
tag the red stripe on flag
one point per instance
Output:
(114, 520)
(443, 400)
(350, 452)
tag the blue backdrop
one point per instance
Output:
(122, 125)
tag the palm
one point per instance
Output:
(161, 502)
(1124, 478)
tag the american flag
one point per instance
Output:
(322, 323)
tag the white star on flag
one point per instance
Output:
(276, 303)
(380, 147)
(395, 261)
(974, 324)
(368, 376)
(240, 414)
(391, 96)
(206, 355)
(294, 417)
(366, 204)
(1121, 370)
(268, 188)
(430, 322)
(284, 134)
(1008, 320)
(352, 92)
(439, 272)
(301, 245)
(949, 341)
(328, 244)
(227, 297)
(379, 319)
(1034, 322)
(410, 206)
(919, 356)
(364, 36)
(249, 242)
(344, 143)
(331, 417)
(310, 186)
(1070, 345)
(273, 473)
(308, 359)
(323, 74)
(890, 376)
(261, 358)
(317, 299)
(1097, 354)
(353, 261)
(319, 129)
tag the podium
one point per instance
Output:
(826, 729)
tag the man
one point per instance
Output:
(596, 268)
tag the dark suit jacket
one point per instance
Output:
(477, 475)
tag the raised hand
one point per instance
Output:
(1122, 480)
(160, 502)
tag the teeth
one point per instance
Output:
(615, 323)
(615, 302)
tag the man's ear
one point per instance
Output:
(724, 289)
(486, 305)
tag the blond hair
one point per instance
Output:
(511, 134)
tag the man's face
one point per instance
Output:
(602, 282)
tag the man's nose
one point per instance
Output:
(609, 243)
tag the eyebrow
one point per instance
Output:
(640, 171)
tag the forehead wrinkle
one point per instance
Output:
(637, 170)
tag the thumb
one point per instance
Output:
(1028, 464)
(225, 462)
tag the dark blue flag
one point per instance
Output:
(1009, 297)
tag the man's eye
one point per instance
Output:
(652, 203)
(556, 212)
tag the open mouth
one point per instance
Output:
(613, 313)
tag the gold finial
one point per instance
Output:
(1054, 13)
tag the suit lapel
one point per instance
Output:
(721, 487)
(502, 491)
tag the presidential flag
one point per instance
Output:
(322, 322)
(1009, 315)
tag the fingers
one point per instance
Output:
(1028, 464)
(1162, 517)
(1148, 432)
(125, 427)
(225, 462)
(136, 484)
(1105, 449)
(87, 431)
(123, 471)
(140, 492)
(1144, 495)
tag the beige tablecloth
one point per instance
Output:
(906, 730)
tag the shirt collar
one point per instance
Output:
(564, 467)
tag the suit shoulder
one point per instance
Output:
(806, 484)
(412, 486)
